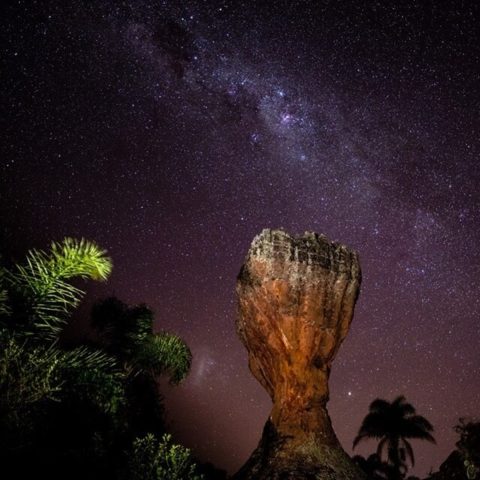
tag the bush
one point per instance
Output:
(161, 460)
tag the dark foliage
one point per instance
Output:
(393, 424)
(463, 463)
(80, 411)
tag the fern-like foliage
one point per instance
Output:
(165, 353)
(121, 328)
(93, 376)
(4, 310)
(79, 258)
(40, 287)
(161, 460)
(127, 333)
(28, 375)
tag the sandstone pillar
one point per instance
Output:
(296, 300)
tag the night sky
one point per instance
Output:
(173, 132)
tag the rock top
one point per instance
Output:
(311, 249)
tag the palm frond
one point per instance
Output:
(381, 445)
(93, 376)
(405, 409)
(86, 358)
(379, 405)
(400, 400)
(42, 281)
(421, 422)
(142, 322)
(361, 436)
(123, 330)
(394, 452)
(4, 309)
(417, 433)
(28, 375)
(417, 427)
(166, 353)
(373, 426)
(409, 451)
(79, 258)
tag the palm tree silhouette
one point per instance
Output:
(392, 424)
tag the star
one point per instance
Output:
(173, 142)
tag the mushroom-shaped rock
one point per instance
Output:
(296, 300)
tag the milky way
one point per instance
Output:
(173, 132)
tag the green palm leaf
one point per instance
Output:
(27, 375)
(42, 282)
(92, 375)
(79, 258)
(127, 333)
(4, 310)
(165, 353)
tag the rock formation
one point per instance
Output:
(296, 300)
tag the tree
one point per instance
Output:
(35, 301)
(393, 424)
(75, 411)
(161, 460)
(464, 462)
(37, 375)
(469, 446)
(36, 297)
(126, 333)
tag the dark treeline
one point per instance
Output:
(93, 409)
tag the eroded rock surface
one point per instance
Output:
(296, 300)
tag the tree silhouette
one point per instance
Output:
(469, 446)
(126, 333)
(464, 462)
(393, 424)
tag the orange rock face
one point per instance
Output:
(296, 301)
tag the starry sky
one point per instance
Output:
(172, 132)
